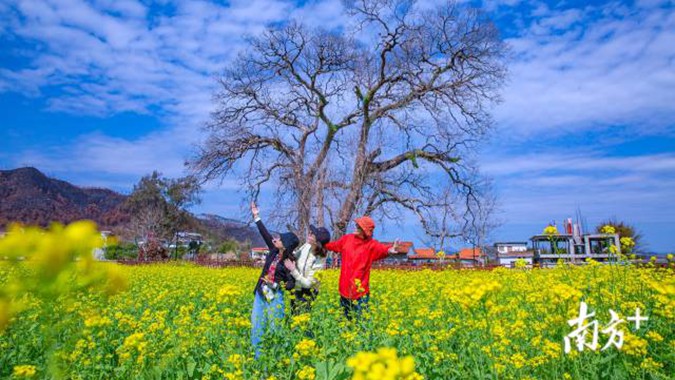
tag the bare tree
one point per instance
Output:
(483, 223)
(375, 118)
(159, 205)
(148, 221)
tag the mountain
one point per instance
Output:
(29, 197)
(225, 228)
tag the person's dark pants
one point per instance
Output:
(302, 302)
(354, 308)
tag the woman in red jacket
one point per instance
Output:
(359, 250)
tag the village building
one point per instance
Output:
(423, 256)
(511, 247)
(573, 248)
(259, 253)
(508, 252)
(469, 257)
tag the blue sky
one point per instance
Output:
(102, 92)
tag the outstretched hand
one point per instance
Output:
(254, 210)
(394, 247)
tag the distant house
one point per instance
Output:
(259, 253)
(223, 256)
(191, 242)
(423, 256)
(469, 257)
(509, 252)
(510, 247)
(184, 238)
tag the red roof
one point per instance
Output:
(260, 249)
(470, 253)
(424, 253)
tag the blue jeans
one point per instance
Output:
(264, 316)
(354, 308)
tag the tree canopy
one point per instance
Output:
(158, 205)
(381, 116)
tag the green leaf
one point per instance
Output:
(336, 371)
(608, 358)
(321, 371)
(191, 368)
(330, 370)
(413, 159)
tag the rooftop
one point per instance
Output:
(470, 253)
(424, 253)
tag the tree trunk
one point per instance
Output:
(304, 207)
(358, 180)
(320, 186)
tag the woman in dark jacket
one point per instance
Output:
(268, 304)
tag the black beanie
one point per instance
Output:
(322, 235)
(290, 242)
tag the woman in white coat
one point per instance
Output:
(310, 258)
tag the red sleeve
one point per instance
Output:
(336, 246)
(378, 250)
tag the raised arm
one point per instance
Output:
(380, 251)
(261, 227)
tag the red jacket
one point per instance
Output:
(358, 256)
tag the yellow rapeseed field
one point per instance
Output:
(183, 321)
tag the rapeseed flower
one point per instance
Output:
(551, 230)
(383, 364)
(300, 320)
(197, 320)
(305, 347)
(650, 364)
(24, 371)
(306, 373)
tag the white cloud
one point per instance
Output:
(110, 155)
(126, 8)
(562, 20)
(108, 57)
(593, 162)
(588, 68)
(326, 14)
(552, 186)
